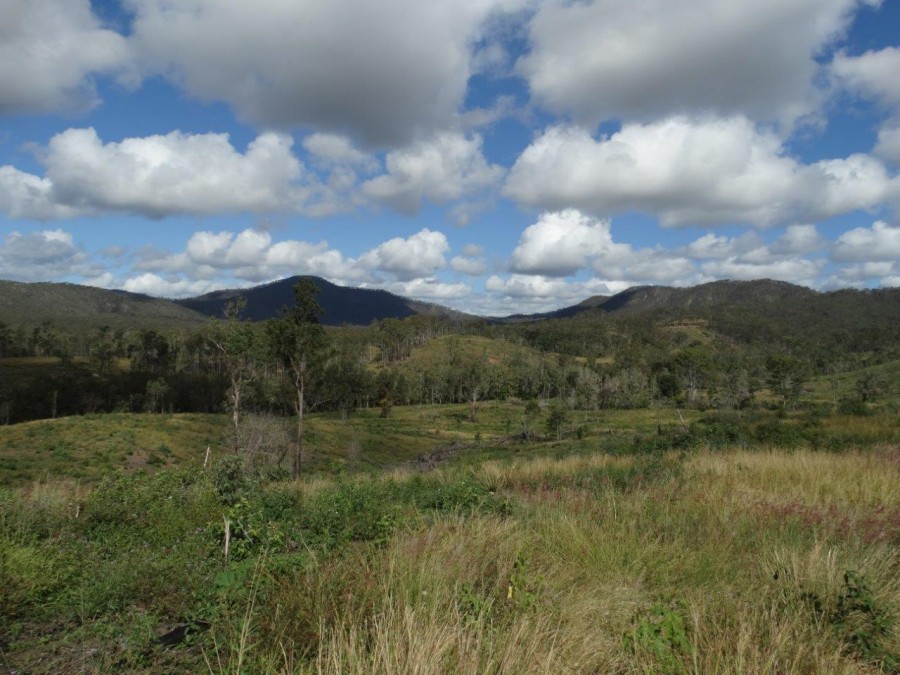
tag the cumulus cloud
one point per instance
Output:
(798, 240)
(23, 195)
(444, 168)
(344, 66)
(36, 256)
(334, 149)
(472, 266)
(252, 255)
(561, 243)
(416, 256)
(876, 243)
(704, 171)
(524, 294)
(49, 52)
(872, 74)
(205, 174)
(175, 173)
(157, 176)
(429, 289)
(153, 284)
(888, 146)
(636, 60)
(798, 270)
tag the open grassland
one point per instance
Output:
(92, 446)
(86, 448)
(698, 561)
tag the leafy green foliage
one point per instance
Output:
(663, 633)
(864, 622)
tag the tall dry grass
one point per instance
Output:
(750, 550)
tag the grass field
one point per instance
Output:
(435, 540)
(729, 561)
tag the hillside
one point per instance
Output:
(341, 304)
(81, 306)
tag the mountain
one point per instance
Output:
(676, 302)
(77, 306)
(341, 304)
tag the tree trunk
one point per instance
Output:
(299, 382)
(235, 402)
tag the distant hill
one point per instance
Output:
(763, 307)
(341, 304)
(762, 311)
(762, 295)
(31, 304)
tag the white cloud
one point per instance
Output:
(873, 74)
(798, 240)
(37, 256)
(419, 255)
(473, 250)
(561, 243)
(253, 256)
(529, 286)
(748, 257)
(158, 176)
(23, 195)
(175, 173)
(472, 266)
(879, 242)
(795, 270)
(428, 289)
(888, 146)
(643, 266)
(49, 51)
(444, 168)
(715, 247)
(382, 72)
(209, 248)
(335, 149)
(859, 275)
(703, 171)
(609, 59)
(526, 294)
(153, 284)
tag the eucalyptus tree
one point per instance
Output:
(240, 350)
(298, 342)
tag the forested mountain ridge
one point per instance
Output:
(762, 294)
(75, 305)
(341, 304)
(761, 305)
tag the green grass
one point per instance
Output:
(738, 542)
(726, 561)
(825, 388)
(88, 447)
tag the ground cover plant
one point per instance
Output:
(638, 545)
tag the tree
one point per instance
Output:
(103, 353)
(296, 340)
(157, 391)
(786, 375)
(871, 386)
(556, 420)
(235, 341)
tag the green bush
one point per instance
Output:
(780, 434)
(350, 512)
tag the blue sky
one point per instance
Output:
(496, 156)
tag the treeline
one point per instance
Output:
(594, 360)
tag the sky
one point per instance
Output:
(495, 156)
